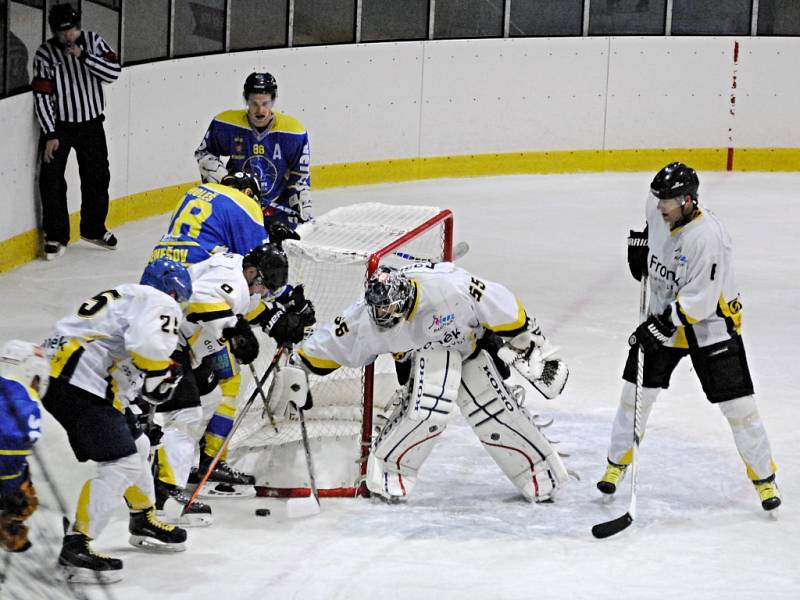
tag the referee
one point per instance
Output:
(68, 72)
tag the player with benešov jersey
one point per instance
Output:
(118, 345)
(272, 145)
(214, 217)
(24, 377)
(695, 310)
(433, 318)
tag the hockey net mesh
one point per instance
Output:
(332, 262)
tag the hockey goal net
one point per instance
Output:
(336, 254)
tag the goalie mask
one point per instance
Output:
(388, 296)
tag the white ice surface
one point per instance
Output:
(559, 243)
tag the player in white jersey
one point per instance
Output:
(117, 346)
(218, 335)
(433, 318)
(695, 310)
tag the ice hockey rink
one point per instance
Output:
(558, 242)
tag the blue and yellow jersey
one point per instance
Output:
(211, 218)
(280, 154)
(20, 428)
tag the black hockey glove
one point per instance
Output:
(296, 302)
(160, 385)
(637, 253)
(654, 332)
(284, 327)
(244, 344)
(278, 232)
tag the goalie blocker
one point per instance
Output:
(507, 431)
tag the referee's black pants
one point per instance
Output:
(89, 140)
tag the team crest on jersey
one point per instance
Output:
(238, 145)
(441, 321)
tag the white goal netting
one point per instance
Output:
(332, 260)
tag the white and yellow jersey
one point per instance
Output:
(115, 337)
(451, 310)
(690, 268)
(219, 293)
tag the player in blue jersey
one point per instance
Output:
(214, 217)
(270, 144)
(24, 375)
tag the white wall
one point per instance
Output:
(420, 99)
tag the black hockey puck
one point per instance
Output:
(262, 512)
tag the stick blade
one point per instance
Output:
(299, 508)
(613, 527)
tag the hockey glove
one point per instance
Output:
(296, 302)
(637, 253)
(289, 392)
(654, 332)
(22, 503)
(244, 345)
(160, 385)
(284, 327)
(13, 534)
(300, 203)
(279, 232)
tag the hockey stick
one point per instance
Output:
(308, 506)
(228, 437)
(260, 391)
(614, 526)
(459, 250)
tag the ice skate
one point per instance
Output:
(79, 563)
(171, 503)
(148, 532)
(768, 492)
(224, 481)
(608, 483)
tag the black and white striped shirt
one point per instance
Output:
(70, 89)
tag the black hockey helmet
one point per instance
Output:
(388, 295)
(260, 83)
(271, 264)
(63, 17)
(674, 180)
(242, 181)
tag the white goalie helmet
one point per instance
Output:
(25, 363)
(388, 296)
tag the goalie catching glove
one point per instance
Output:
(289, 392)
(244, 345)
(528, 353)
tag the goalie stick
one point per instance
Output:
(614, 526)
(308, 506)
(236, 424)
(459, 250)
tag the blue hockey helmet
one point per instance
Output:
(169, 277)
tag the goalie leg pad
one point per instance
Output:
(508, 432)
(436, 375)
(399, 451)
